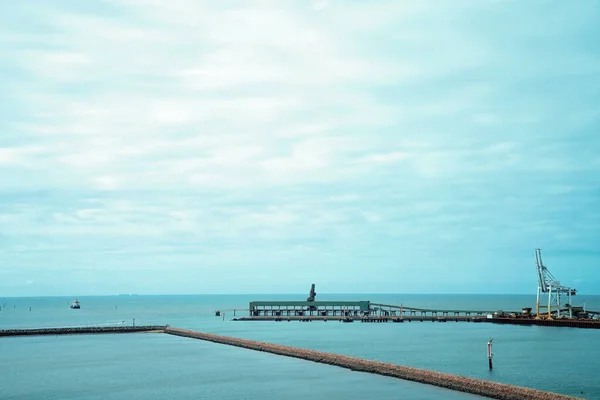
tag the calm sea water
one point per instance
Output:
(154, 366)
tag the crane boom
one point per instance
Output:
(547, 283)
(540, 270)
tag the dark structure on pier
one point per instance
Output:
(312, 294)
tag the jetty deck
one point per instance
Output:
(348, 309)
(569, 323)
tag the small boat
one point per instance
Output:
(75, 305)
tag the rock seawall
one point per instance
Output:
(81, 330)
(449, 381)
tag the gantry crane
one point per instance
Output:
(548, 284)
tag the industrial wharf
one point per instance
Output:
(366, 311)
(553, 307)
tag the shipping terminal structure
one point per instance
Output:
(553, 308)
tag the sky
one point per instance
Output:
(186, 146)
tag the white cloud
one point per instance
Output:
(292, 128)
(320, 4)
(19, 155)
(385, 158)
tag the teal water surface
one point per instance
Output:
(156, 366)
(564, 360)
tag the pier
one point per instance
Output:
(357, 310)
(568, 323)
(366, 311)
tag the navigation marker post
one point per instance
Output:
(489, 353)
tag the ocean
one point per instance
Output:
(155, 366)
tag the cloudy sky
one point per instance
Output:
(181, 146)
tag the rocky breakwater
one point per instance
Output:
(81, 330)
(449, 381)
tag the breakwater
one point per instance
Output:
(81, 330)
(449, 381)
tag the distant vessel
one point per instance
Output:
(75, 305)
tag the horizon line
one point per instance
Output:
(282, 294)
